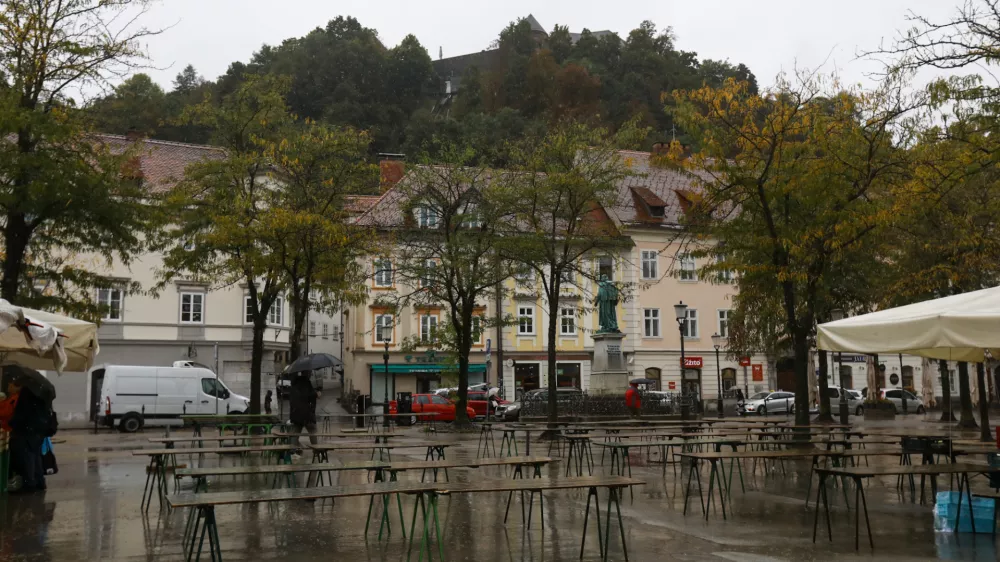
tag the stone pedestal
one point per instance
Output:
(608, 372)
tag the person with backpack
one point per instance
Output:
(32, 422)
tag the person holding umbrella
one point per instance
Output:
(32, 422)
(632, 400)
(302, 403)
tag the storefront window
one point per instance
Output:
(568, 375)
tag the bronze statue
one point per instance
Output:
(607, 307)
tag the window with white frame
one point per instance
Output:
(312, 328)
(477, 328)
(427, 275)
(192, 308)
(112, 300)
(383, 273)
(525, 277)
(568, 278)
(650, 264)
(428, 327)
(724, 322)
(691, 324)
(276, 316)
(526, 320)
(426, 217)
(567, 322)
(470, 217)
(605, 268)
(725, 276)
(248, 308)
(651, 322)
(336, 333)
(688, 266)
(326, 329)
(382, 320)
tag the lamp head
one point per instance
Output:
(718, 341)
(680, 311)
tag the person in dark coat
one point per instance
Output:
(29, 426)
(267, 403)
(302, 405)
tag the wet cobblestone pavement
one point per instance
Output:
(91, 512)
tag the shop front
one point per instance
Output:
(420, 378)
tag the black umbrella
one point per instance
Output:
(312, 362)
(643, 381)
(32, 380)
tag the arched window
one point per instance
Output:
(654, 373)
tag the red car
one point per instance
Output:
(444, 408)
(479, 403)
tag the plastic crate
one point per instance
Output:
(946, 512)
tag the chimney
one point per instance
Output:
(660, 148)
(440, 53)
(391, 169)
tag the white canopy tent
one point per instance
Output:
(956, 328)
(46, 341)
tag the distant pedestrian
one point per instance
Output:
(302, 405)
(267, 402)
(633, 401)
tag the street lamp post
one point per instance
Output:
(386, 336)
(717, 342)
(680, 313)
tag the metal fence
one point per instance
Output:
(612, 405)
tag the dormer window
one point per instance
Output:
(656, 211)
(426, 217)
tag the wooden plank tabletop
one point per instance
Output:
(283, 434)
(471, 463)
(785, 454)
(291, 494)
(211, 438)
(633, 444)
(909, 469)
(278, 468)
(209, 450)
(366, 446)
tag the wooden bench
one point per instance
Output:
(435, 449)
(857, 474)
(200, 475)
(160, 460)
(236, 422)
(427, 496)
(718, 470)
(170, 442)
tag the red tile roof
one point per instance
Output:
(652, 186)
(162, 163)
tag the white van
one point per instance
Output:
(131, 395)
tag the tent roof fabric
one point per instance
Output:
(955, 328)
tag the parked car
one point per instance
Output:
(131, 395)
(764, 403)
(854, 399)
(563, 394)
(895, 395)
(479, 402)
(510, 411)
(444, 408)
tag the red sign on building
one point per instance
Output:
(744, 361)
(693, 363)
(673, 386)
(758, 373)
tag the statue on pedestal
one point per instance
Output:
(607, 307)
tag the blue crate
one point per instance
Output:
(946, 512)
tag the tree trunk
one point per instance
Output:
(824, 398)
(256, 358)
(552, 337)
(464, 348)
(946, 413)
(801, 348)
(16, 236)
(984, 404)
(299, 318)
(968, 419)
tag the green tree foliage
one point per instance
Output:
(228, 212)
(444, 221)
(558, 230)
(795, 186)
(64, 194)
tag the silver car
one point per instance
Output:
(764, 403)
(895, 395)
(854, 399)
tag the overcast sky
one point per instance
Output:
(768, 35)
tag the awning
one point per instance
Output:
(415, 368)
